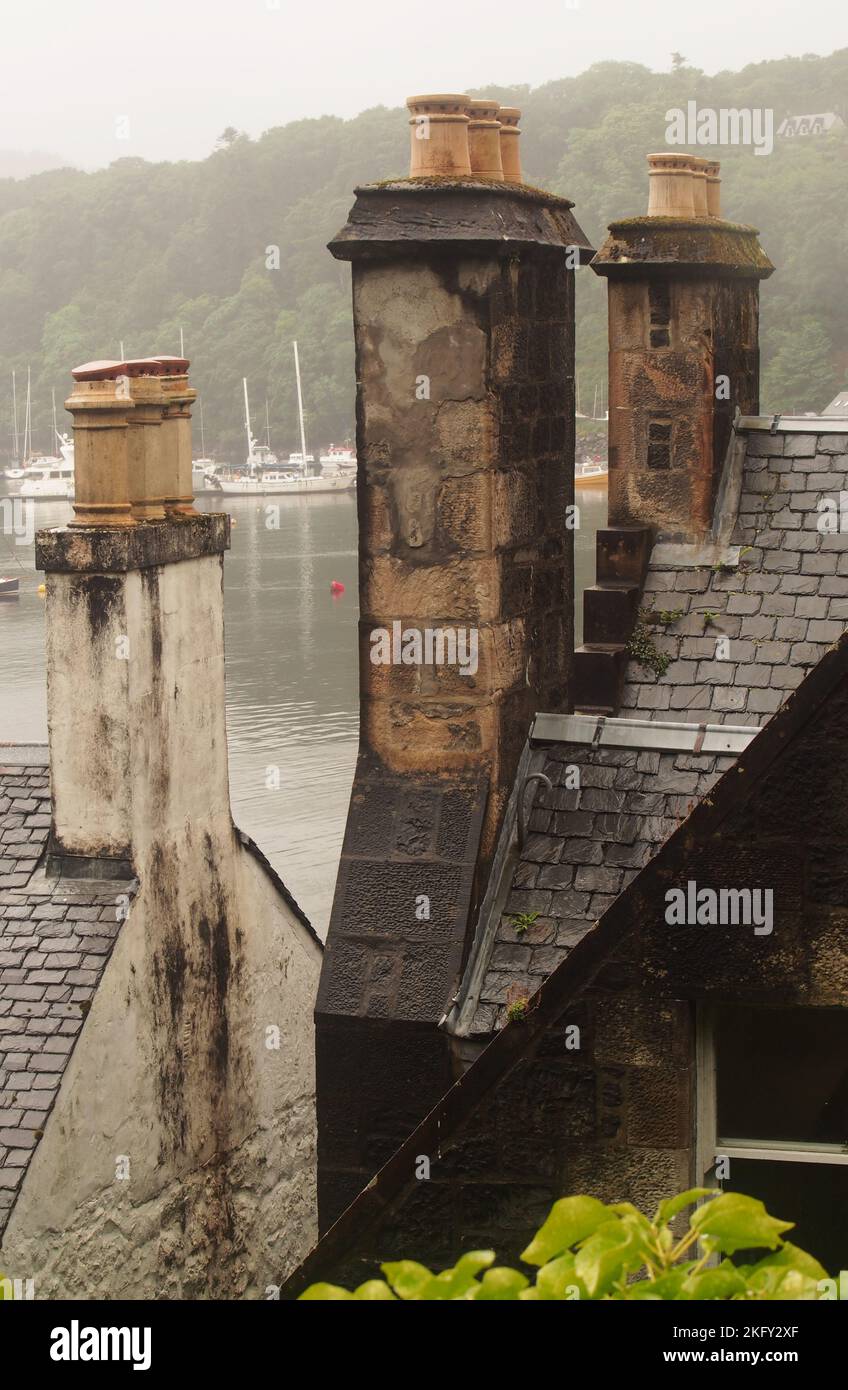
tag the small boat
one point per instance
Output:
(338, 459)
(591, 473)
(9, 588)
(202, 472)
(49, 479)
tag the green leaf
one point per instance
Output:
(612, 1251)
(790, 1256)
(557, 1280)
(407, 1278)
(475, 1260)
(791, 1284)
(502, 1284)
(666, 1287)
(571, 1219)
(325, 1293)
(725, 1281)
(667, 1210)
(733, 1222)
(374, 1291)
(454, 1283)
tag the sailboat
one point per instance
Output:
(203, 468)
(44, 477)
(265, 478)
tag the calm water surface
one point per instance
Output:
(291, 672)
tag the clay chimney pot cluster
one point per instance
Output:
(683, 185)
(132, 441)
(456, 136)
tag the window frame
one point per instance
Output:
(710, 1146)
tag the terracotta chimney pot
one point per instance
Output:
(101, 405)
(176, 437)
(439, 136)
(713, 172)
(484, 139)
(670, 191)
(699, 185)
(144, 438)
(509, 116)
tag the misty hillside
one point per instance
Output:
(135, 251)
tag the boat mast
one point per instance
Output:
(202, 441)
(15, 419)
(247, 424)
(300, 405)
(53, 398)
(27, 421)
(267, 425)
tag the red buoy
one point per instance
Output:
(336, 586)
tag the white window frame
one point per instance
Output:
(709, 1145)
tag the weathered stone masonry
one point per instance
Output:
(463, 314)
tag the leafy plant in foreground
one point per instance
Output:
(588, 1250)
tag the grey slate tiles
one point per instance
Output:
(55, 939)
(780, 611)
(744, 640)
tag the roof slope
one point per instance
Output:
(739, 637)
(55, 939)
(523, 1078)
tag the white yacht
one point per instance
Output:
(338, 459)
(264, 477)
(276, 483)
(49, 479)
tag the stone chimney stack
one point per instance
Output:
(683, 346)
(463, 305)
(135, 654)
(194, 1064)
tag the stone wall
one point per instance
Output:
(464, 320)
(178, 1159)
(532, 1120)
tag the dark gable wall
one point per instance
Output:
(531, 1120)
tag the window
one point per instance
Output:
(659, 443)
(773, 1104)
(659, 307)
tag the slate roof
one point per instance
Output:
(55, 939)
(773, 615)
(784, 605)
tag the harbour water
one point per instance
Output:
(292, 703)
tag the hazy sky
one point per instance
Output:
(182, 70)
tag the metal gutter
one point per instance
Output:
(658, 734)
(795, 424)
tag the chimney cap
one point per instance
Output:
(484, 109)
(144, 366)
(670, 159)
(98, 371)
(452, 103)
(175, 366)
(509, 115)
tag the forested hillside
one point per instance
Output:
(134, 252)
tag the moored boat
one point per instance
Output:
(591, 472)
